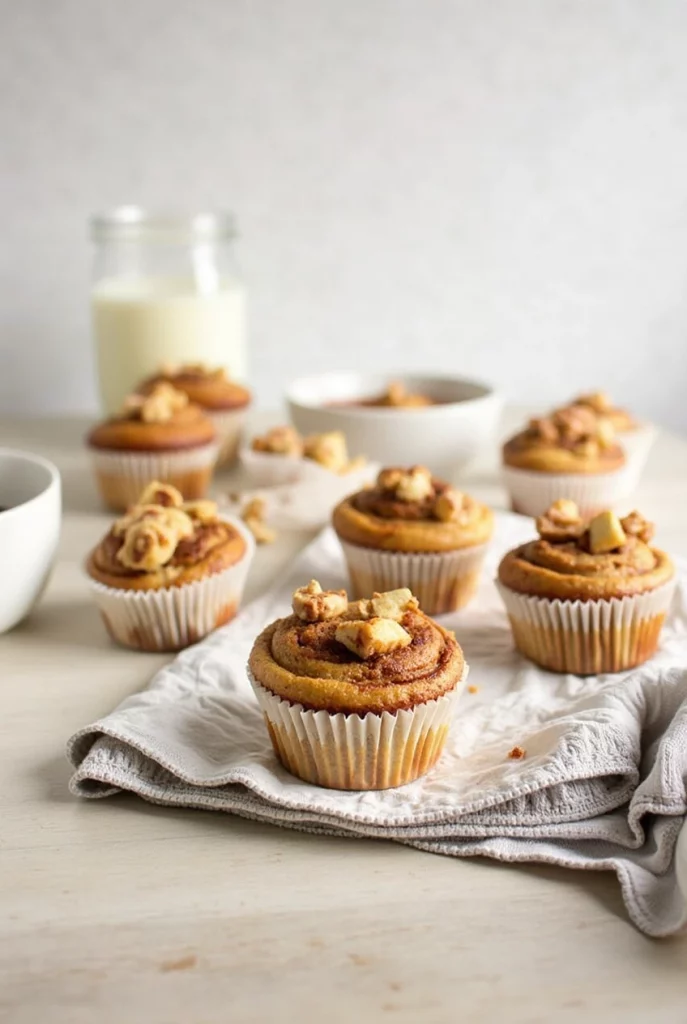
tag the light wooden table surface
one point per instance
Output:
(117, 911)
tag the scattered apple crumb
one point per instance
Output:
(517, 753)
(473, 689)
(253, 515)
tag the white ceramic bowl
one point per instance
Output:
(30, 494)
(443, 437)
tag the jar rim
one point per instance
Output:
(129, 222)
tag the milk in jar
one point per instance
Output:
(166, 291)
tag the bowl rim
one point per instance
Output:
(37, 460)
(489, 393)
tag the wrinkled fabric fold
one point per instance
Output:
(601, 786)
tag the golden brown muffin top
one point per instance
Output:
(164, 541)
(571, 440)
(586, 559)
(410, 510)
(162, 420)
(600, 403)
(211, 388)
(381, 654)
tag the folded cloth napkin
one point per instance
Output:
(602, 784)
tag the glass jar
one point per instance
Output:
(165, 290)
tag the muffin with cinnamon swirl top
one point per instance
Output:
(356, 695)
(169, 571)
(635, 436)
(413, 530)
(570, 453)
(600, 403)
(156, 436)
(588, 595)
(223, 400)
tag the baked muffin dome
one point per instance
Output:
(572, 440)
(409, 510)
(413, 530)
(165, 542)
(357, 695)
(305, 663)
(589, 595)
(212, 389)
(577, 560)
(169, 571)
(162, 420)
(600, 403)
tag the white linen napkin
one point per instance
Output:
(602, 785)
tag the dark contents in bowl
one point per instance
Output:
(396, 396)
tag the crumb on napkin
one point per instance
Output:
(517, 753)
(253, 515)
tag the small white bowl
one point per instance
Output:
(443, 437)
(30, 495)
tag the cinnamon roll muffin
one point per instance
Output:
(282, 455)
(224, 401)
(158, 436)
(356, 695)
(169, 571)
(601, 405)
(413, 530)
(635, 437)
(588, 595)
(571, 453)
(273, 458)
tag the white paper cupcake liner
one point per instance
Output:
(265, 469)
(533, 493)
(229, 427)
(371, 751)
(442, 582)
(587, 637)
(637, 444)
(173, 618)
(121, 476)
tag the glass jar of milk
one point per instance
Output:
(165, 290)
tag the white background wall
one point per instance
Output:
(495, 187)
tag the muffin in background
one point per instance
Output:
(273, 458)
(282, 455)
(636, 437)
(224, 401)
(587, 595)
(159, 436)
(169, 571)
(600, 403)
(283, 440)
(571, 453)
(356, 695)
(412, 530)
(330, 451)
